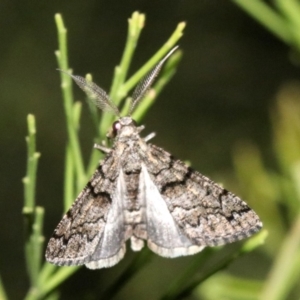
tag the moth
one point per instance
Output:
(142, 193)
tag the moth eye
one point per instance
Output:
(116, 127)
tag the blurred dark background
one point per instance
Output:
(221, 94)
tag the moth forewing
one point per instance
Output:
(112, 247)
(163, 234)
(142, 193)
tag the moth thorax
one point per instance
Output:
(128, 131)
(127, 127)
(126, 121)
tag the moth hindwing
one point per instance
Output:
(142, 193)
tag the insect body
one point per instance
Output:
(142, 193)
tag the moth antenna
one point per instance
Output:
(144, 85)
(98, 96)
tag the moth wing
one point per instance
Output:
(163, 235)
(92, 231)
(203, 211)
(112, 247)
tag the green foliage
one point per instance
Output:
(281, 18)
(280, 208)
(275, 194)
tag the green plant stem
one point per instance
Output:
(291, 10)
(33, 216)
(69, 183)
(135, 26)
(268, 17)
(46, 272)
(226, 286)
(93, 108)
(3, 295)
(167, 73)
(45, 279)
(252, 175)
(139, 261)
(286, 268)
(295, 177)
(51, 283)
(169, 44)
(68, 179)
(187, 274)
(247, 247)
(37, 240)
(34, 252)
(53, 296)
(120, 89)
(62, 59)
(95, 155)
(32, 160)
(57, 278)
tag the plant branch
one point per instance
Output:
(139, 261)
(62, 59)
(268, 17)
(134, 79)
(247, 247)
(29, 180)
(135, 26)
(167, 74)
(3, 295)
(287, 262)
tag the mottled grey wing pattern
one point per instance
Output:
(82, 231)
(164, 236)
(205, 212)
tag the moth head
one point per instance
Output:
(124, 127)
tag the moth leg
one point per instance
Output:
(102, 148)
(136, 243)
(140, 128)
(149, 136)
